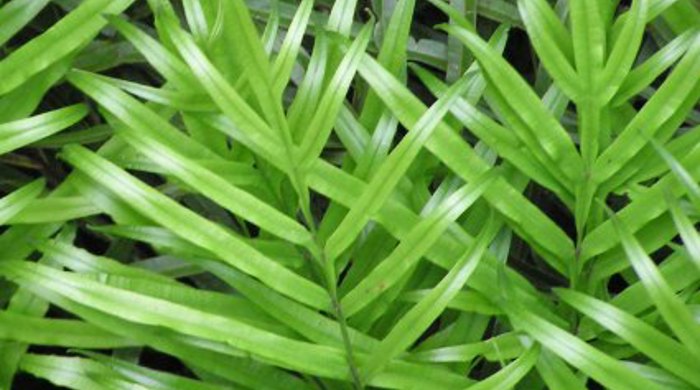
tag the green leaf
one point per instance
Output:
(16, 134)
(588, 37)
(681, 174)
(398, 219)
(151, 311)
(245, 151)
(509, 376)
(303, 320)
(75, 373)
(392, 56)
(624, 51)
(166, 241)
(83, 261)
(140, 121)
(56, 332)
(553, 139)
(193, 227)
(677, 270)
(414, 246)
(256, 63)
(341, 16)
(285, 60)
(54, 209)
(669, 97)
(230, 101)
(501, 11)
(87, 136)
(467, 301)
(391, 171)
(447, 145)
(553, 44)
(497, 348)
(147, 377)
(605, 369)
(679, 15)
(556, 374)
(497, 137)
(271, 348)
(642, 214)
(686, 229)
(72, 32)
(455, 15)
(326, 109)
(196, 16)
(23, 302)
(658, 375)
(311, 87)
(670, 306)
(589, 42)
(16, 14)
(215, 358)
(166, 63)
(271, 29)
(14, 203)
(183, 101)
(658, 7)
(409, 328)
(21, 102)
(670, 354)
(644, 74)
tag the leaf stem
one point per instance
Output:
(332, 288)
(338, 311)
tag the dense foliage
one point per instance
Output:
(387, 193)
